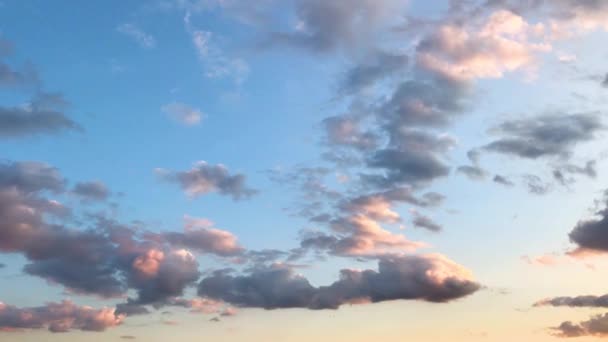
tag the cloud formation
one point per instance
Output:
(58, 317)
(432, 278)
(204, 178)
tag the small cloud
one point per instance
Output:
(142, 38)
(183, 113)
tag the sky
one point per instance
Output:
(297, 170)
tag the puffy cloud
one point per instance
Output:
(431, 278)
(500, 45)
(204, 178)
(58, 317)
(31, 177)
(137, 34)
(592, 233)
(22, 121)
(199, 235)
(551, 135)
(595, 326)
(91, 191)
(183, 113)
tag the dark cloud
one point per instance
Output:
(579, 301)
(502, 180)
(57, 317)
(414, 158)
(91, 191)
(31, 177)
(2, 265)
(204, 178)
(596, 326)
(605, 81)
(545, 136)
(426, 103)
(593, 233)
(18, 122)
(425, 222)
(407, 277)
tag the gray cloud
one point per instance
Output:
(93, 191)
(595, 326)
(368, 73)
(425, 222)
(204, 178)
(593, 233)
(502, 180)
(545, 136)
(407, 278)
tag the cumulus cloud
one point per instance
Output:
(592, 234)
(58, 317)
(204, 178)
(134, 32)
(368, 73)
(183, 113)
(501, 44)
(432, 278)
(345, 131)
(200, 235)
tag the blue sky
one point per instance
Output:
(170, 168)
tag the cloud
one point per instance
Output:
(183, 113)
(501, 44)
(596, 326)
(366, 74)
(502, 180)
(472, 172)
(204, 178)
(32, 119)
(91, 191)
(552, 135)
(592, 233)
(345, 131)
(215, 61)
(324, 26)
(579, 301)
(15, 77)
(414, 157)
(425, 222)
(57, 317)
(199, 235)
(431, 278)
(134, 32)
